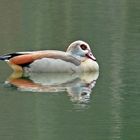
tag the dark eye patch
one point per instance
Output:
(83, 46)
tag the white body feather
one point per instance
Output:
(58, 65)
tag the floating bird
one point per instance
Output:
(77, 58)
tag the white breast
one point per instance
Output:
(89, 66)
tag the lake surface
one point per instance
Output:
(106, 109)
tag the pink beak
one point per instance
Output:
(90, 55)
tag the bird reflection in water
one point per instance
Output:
(78, 86)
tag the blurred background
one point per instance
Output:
(112, 28)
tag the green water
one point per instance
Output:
(111, 112)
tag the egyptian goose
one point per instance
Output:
(77, 58)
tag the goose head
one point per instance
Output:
(80, 50)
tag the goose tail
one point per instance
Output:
(5, 57)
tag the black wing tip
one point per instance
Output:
(5, 57)
(8, 56)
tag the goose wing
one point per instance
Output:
(26, 58)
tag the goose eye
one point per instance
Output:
(83, 47)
